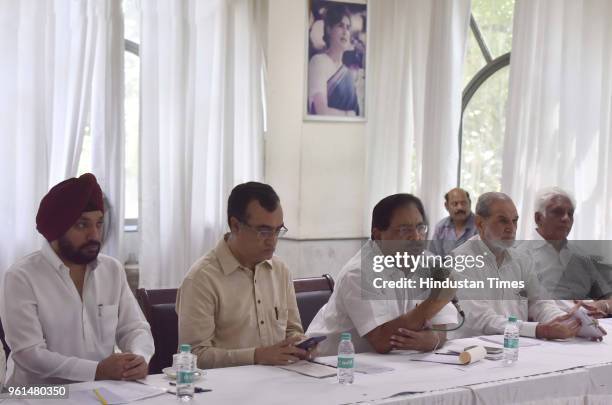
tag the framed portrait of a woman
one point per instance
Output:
(336, 61)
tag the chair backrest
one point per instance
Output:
(159, 309)
(159, 306)
(7, 349)
(311, 294)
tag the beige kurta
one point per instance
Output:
(226, 310)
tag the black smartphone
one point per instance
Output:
(310, 342)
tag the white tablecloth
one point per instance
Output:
(578, 371)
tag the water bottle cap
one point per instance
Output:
(512, 318)
(345, 336)
(185, 348)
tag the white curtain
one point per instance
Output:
(106, 117)
(559, 122)
(201, 126)
(415, 81)
(60, 73)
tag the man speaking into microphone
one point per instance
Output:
(383, 319)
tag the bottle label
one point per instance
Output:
(345, 362)
(184, 377)
(511, 343)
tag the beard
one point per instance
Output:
(83, 254)
(496, 243)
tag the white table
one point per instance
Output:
(578, 371)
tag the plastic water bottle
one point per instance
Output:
(346, 359)
(511, 341)
(185, 368)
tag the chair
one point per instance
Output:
(159, 309)
(311, 294)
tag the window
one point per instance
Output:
(485, 96)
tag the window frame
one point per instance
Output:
(489, 69)
(131, 224)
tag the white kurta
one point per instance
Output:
(568, 274)
(358, 309)
(55, 337)
(487, 310)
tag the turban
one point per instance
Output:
(65, 203)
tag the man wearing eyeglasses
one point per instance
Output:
(383, 319)
(237, 304)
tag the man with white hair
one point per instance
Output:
(562, 269)
(487, 309)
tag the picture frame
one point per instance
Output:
(336, 60)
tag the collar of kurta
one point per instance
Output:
(57, 263)
(539, 242)
(482, 247)
(228, 261)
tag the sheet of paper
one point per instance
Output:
(89, 397)
(499, 339)
(405, 352)
(311, 369)
(114, 392)
(606, 321)
(362, 367)
(438, 358)
(371, 369)
(456, 347)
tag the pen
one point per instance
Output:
(100, 397)
(276, 311)
(323, 364)
(196, 389)
(99, 309)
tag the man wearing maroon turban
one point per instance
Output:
(66, 306)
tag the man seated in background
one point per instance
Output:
(237, 304)
(563, 270)
(66, 306)
(487, 310)
(388, 318)
(456, 228)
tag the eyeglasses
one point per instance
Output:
(264, 232)
(405, 230)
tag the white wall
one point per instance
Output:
(310, 258)
(316, 167)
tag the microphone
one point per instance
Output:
(441, 274)
(455, 302)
